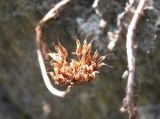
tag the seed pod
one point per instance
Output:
(80, 70)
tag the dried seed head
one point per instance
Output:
(78, 71)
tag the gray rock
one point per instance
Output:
(20, 74)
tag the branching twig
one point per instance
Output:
(125, 12)
(129, 105)
(121, 23)
(53, 13)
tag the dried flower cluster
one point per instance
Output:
(82, 69)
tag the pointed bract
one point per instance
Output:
(78, 71)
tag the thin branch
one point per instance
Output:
(129, 104)
(95, 3)
(53, 13)
(121, 16)
(121, 23)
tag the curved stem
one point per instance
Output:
(40, 48)
(46, 79)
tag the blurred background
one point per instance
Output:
(23, 94)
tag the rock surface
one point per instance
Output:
(20, 75)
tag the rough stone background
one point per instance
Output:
(23, 94)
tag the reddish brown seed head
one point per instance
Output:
(81, 70)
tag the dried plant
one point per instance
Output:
(42, 50)
(81, 69)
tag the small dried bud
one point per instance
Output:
(78, 71)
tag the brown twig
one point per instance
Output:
(41, 47)
(129, 104)
(121, 23)
(121, 16)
